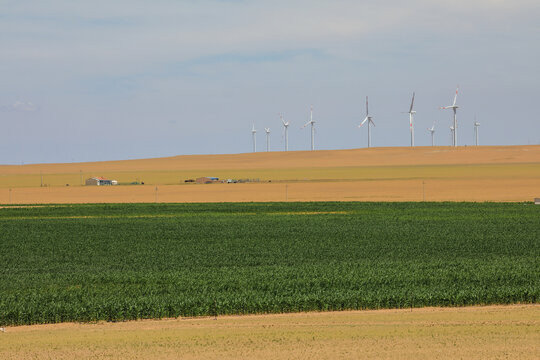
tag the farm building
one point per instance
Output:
(99, 181)
(207, 180)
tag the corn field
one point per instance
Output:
(133, 261)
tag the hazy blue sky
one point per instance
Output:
(102, 80)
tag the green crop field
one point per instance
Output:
(131, 261)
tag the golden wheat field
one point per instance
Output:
(493, 332)
(486, 173)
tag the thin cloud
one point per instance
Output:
(20, 106)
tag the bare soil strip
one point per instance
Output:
(510, 332)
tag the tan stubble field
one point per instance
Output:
(487, 173)
(492, 332)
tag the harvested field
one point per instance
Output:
(504, 173)
(485, 189)
(509, 332)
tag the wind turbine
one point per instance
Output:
(411, 118)
(369, 119)
(312, 128)
(253, 132)
(267, 130)
(454, 127)
(286, 126)
(476, 126)
(432, 131)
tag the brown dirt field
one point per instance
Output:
(504, 173)
(509, 332)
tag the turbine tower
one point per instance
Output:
(286, 126)
(267, 130)
(452, 135)
(369, 119)
(253, 132)
(476, 126)
(312, 128)
(432, 131)
(454, 127)
(411, 118)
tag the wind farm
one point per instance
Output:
(368, 121)
(362, 174)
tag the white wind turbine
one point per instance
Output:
(267, 130)
(476, 126)
(411, 119)
(253, 132)
(312, 122)
(432, 131)
(369, 119)
(454, 127)
(286, 126)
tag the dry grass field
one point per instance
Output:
(494, 332)
(486, 173)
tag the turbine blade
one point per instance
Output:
(371, 121)
(306, 124)
(362, 123)
(367, 110)
(412, 103)
(455, 97)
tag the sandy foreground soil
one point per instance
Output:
(502, 332)
(491, 173)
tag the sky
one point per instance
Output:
(118, 79)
